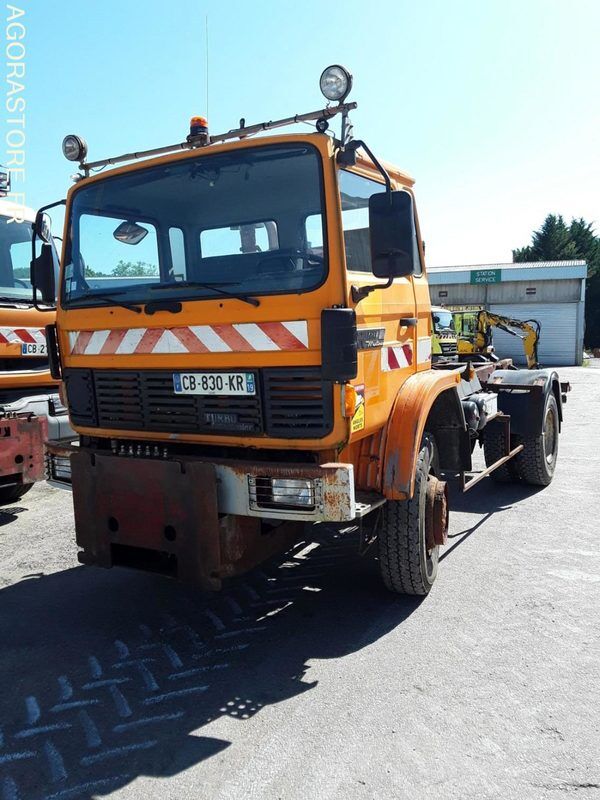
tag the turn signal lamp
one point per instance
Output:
(350, 398)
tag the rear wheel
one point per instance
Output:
(407, 564)
(10, 494)
(535, 464)
(494, 448)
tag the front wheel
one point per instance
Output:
(406, 562)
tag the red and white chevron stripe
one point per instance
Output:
(226, 338)
(22, 336)
(396, 357)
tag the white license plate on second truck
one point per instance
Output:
(34, 349)
(223, 383)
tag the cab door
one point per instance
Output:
(386, 318)
(424, 332)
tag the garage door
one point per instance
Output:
(558, 338)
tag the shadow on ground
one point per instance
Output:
(85, 713)
(109, 675)
(8, 515)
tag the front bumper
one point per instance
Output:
(196, 520)
(25, 426)
(263, 490)
(22, 448)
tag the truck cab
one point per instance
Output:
(444, 340)
(243, 333)
(29, 403)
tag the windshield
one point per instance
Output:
(15, 259)
(249, 221)
(443, 321)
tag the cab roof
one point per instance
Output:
(363, 165)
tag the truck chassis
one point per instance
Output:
(218, 518)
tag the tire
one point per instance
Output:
(535, 464)
(405, 563)
(10, 494)
(493, 450)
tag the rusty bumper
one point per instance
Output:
(22, 449)
(176, 516)
(242, 486)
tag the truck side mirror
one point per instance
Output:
(42, 227)
(392, 234)
(42, 275)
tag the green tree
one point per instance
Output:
(587, 243)
(557, 241)
(124, 269)
(139, 269)
(552, 242)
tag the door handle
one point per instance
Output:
(408, 322)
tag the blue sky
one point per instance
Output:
(492, 105)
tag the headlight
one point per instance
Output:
(283, 494)
(335, 83)
(292, 492)
(74, 148)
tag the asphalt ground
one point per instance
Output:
(306, 679)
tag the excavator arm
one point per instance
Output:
(527, 330)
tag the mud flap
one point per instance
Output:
(154, 514)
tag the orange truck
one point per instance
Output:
(30, 408)
(243, 333)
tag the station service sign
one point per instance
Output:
(479, 276)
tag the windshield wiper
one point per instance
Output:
(253, 301)
(14, 301)
(109, 298)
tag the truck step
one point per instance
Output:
(367, 502)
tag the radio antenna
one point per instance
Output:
(206, 48)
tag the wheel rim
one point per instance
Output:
(430, 555)
(431, 560)
(550, 436)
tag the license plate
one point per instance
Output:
(34, 349)
(223, 383)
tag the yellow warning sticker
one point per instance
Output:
(358, 420)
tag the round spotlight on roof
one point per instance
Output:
(74, 148)
(335, 83)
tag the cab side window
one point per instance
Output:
(355, 192)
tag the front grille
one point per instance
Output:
(449, 348)
(298, 404)
(291, 403)
(146, 401)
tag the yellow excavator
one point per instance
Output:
(474, 333)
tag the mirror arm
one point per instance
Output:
(43, 209)
(360, 292)
(348, 156)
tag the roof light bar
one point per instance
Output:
(237, 133)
